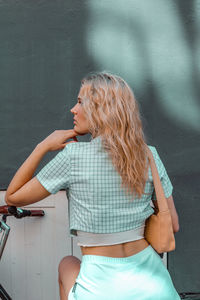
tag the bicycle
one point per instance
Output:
(18, 213)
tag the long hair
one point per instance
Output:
(113, 113)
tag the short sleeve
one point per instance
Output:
(166, 183)
(55, 175)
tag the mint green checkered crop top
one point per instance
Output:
(96, 202)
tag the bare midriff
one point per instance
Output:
(119, 250)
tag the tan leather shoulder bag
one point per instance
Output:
(158, 227)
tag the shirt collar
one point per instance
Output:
(96, 139)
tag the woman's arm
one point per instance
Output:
(174, 215)
(23, 189)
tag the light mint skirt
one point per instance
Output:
(141, 276)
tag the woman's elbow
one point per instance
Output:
(176, 228)
(176, 225)
(8, 200)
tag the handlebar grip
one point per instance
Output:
(39, 213)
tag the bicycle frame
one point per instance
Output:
(6, 229)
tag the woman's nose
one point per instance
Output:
(72, 110)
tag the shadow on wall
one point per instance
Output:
(148, 46)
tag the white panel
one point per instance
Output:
(35, 246)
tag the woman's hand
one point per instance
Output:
(57, 139)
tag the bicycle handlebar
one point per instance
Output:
(19, 213)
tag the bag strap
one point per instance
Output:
(160, 196)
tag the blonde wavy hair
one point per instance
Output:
(113, 113)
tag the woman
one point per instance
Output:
(109, 187)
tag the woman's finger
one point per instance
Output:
(70, 134)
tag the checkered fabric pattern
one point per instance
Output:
(96, 202)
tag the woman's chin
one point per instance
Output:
(76, 129)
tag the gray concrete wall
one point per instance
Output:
(48, 46)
